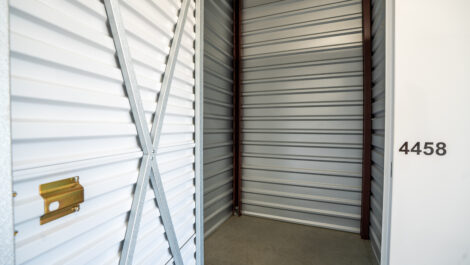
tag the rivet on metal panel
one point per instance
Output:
(61, 198)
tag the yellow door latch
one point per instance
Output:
(61, 198)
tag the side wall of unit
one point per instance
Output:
(71, 117)
(302, 111)
(378, 123)
(218, 113)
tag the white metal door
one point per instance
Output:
(218, 113)
(6, 200)
(302, 112)
(75, 110)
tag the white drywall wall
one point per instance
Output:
(430, 222)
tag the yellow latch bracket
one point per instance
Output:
(61, 198)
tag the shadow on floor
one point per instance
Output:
(256, 241)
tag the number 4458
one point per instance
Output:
(428, 148)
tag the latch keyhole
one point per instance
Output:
(53, 206)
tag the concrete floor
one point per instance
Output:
(256, 241)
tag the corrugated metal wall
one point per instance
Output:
(378, 123)
(302, 112)
(7, 244)
(218, 113)
(71, 117)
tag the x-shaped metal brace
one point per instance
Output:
(148, 140)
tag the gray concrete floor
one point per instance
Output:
(256, 241)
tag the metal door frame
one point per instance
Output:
(199, 131)
(237, 6)
(389, 129)
(367, 118)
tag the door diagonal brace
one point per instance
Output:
(168, 75)
(149, 166)
(128, 74)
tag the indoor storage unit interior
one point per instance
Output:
(296, 95)
(141, 129)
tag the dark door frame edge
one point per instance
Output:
(236, 108)
(367, 118)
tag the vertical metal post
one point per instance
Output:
(199, 136)
(236, 107)
(367, 118)
(7, 243)
(389, 129)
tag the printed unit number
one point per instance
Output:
(429, 148)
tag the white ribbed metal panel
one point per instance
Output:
(71, 117)
(218, 113)
(302, 112)
(378, 123)
(7, 256)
